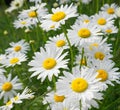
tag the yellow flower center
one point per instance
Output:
(16, 98)
(102, 74)
(110, 10)
(58, 16)
(7, 86)
(60, 43)
(17, 48)
(79, 85)
(59, 98)
(23, 22)
(93, 45)
(14, 60)
(101, 21)
(86, 21)
(49, 63)
(82, 62)
(8, 103)
(109, 30)
(65, 108)
(84, 33)
(99, 55)
(32, 14)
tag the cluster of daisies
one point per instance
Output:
(79, 78)
(10, 86)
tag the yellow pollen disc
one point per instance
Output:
(8, 103)
(99, 55)
(110, 11)
(93, 45)
(14, 60)
(49, 63)
(79, 85)
(59, 98)
(60, 43)
(109, 30)
(82, 62)
(65, 108)
(101, 21)
(102, 74)
(86, 21)
(32, 14)
(84, 33)
(58, 16)
(7, 86)
(17, 48)
(23, 22)
(16, 98)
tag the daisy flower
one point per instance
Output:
(59, 16)
(7, 106)
(84, 18)
(2, 71)
(34, 14)
(110, 9)
(100, 53)
(103, 20)
(110, 30)
(58, 41)
(47, 62)
(8, 87)
(14, 59)
(82, 32)
(2, 57)
(82, 85)
(26, 94)
(18, 47)
(21, 23)
(117, 12)
(15, 4)
(107, 72)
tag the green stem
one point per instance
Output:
(71, 51)
(97, 6)
(82, 58)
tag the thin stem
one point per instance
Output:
(82, 55)
(97, 6)
(71, 51)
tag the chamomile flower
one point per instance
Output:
(110, 9)
(26, 94)
(100, 53)
(18, 47)
(81, 85)
(7, 106)
(15, 4)
(14, 59)
(34, 14)
(59, 16)
(117, 12)
(52, 99)
(67, 105)
(47, 62)
(84, 18)
(2, 71)
(110, 30)
(21, 23)
(95, 43)
(82, 32)
(107, 72)
(103, 20)
(58, 41)
(8, 87)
